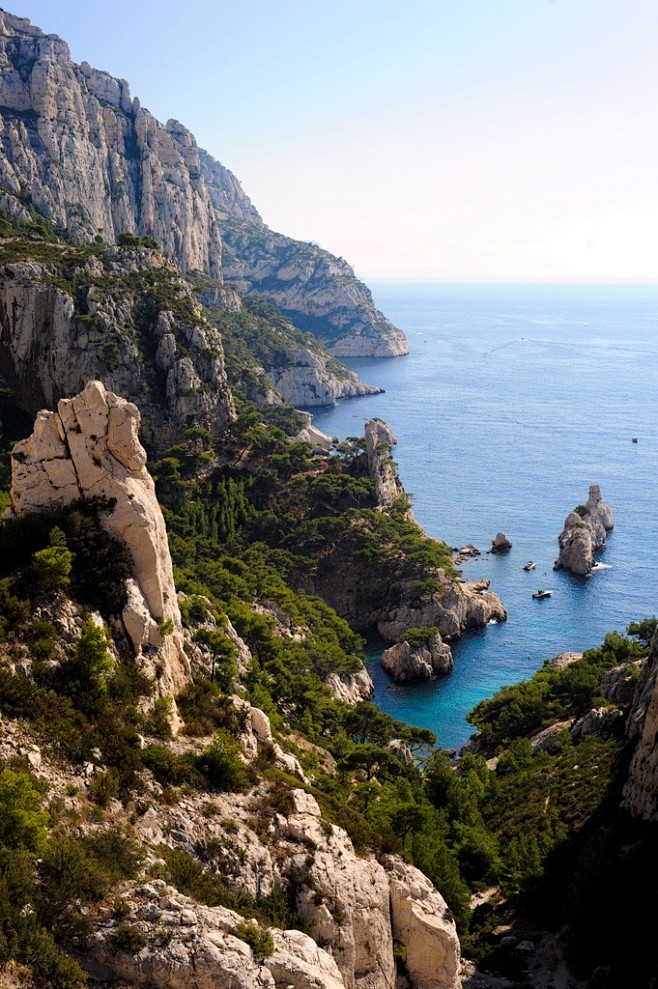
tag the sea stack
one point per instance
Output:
(584, 534)
(501, 543)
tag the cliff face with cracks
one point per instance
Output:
(77, 147)
(90, 448)
(584, 534)
(123, 316)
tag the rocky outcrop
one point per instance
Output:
(640, 795)
(379, 440)
(455, 608)
(619, 684)
(132, 323)
(584, 534)
(422, 923)
(90, 448)
(317, 291)
(596, 720)
(418, 660)
(309, 433)
(77, 147)
(358, 906)
(307, 381)
(351, 688)
(501, 543)
(188, 945)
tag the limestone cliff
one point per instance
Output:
(584, 534)
(90, 448)
(123, 316)
(641, 788)
(379, 440)
(380, 588)
(318, 291)
(75, 146)
(307, 381)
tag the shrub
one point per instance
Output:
(260, 941)
(222, 765)
(22, 819)
(128, 938)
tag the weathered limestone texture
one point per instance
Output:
(203, 949)
(90, 448)
(97, 163)
(418, 661)
(422, 922)
(379, 440)
(584, 534)
(53, 341)
(358, 906)
(308, 381)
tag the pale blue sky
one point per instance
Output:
(444, 139)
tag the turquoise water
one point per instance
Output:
(513, 400)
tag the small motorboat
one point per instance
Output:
(530, 565)
(541, 593)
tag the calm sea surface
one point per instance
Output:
(513, 400)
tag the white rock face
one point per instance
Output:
(201, 950)
(90, 448)
(379, 440)
(307, 381)
(317, 291)
(96, 162)
(595, 720)
(351, 687)
(52, 344)
(459, 606)
(584, 534)
(421, 921)
(358, 906)
(418, 662)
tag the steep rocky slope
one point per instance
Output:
(75, 146)
(88, 449)
(261, 846)
(641, 789)
(122, 315)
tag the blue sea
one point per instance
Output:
(512, 401)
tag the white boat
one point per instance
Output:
(541, 593)
(530, 565)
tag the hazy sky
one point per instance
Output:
(443, 139)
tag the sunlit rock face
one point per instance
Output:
(79, 148)
(90, 448)
(584, 534)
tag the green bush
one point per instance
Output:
(222, 765)
(260, 941)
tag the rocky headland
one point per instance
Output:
(584, 534)
(133, 173)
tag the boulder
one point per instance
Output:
(501, 543)
(418, 661)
